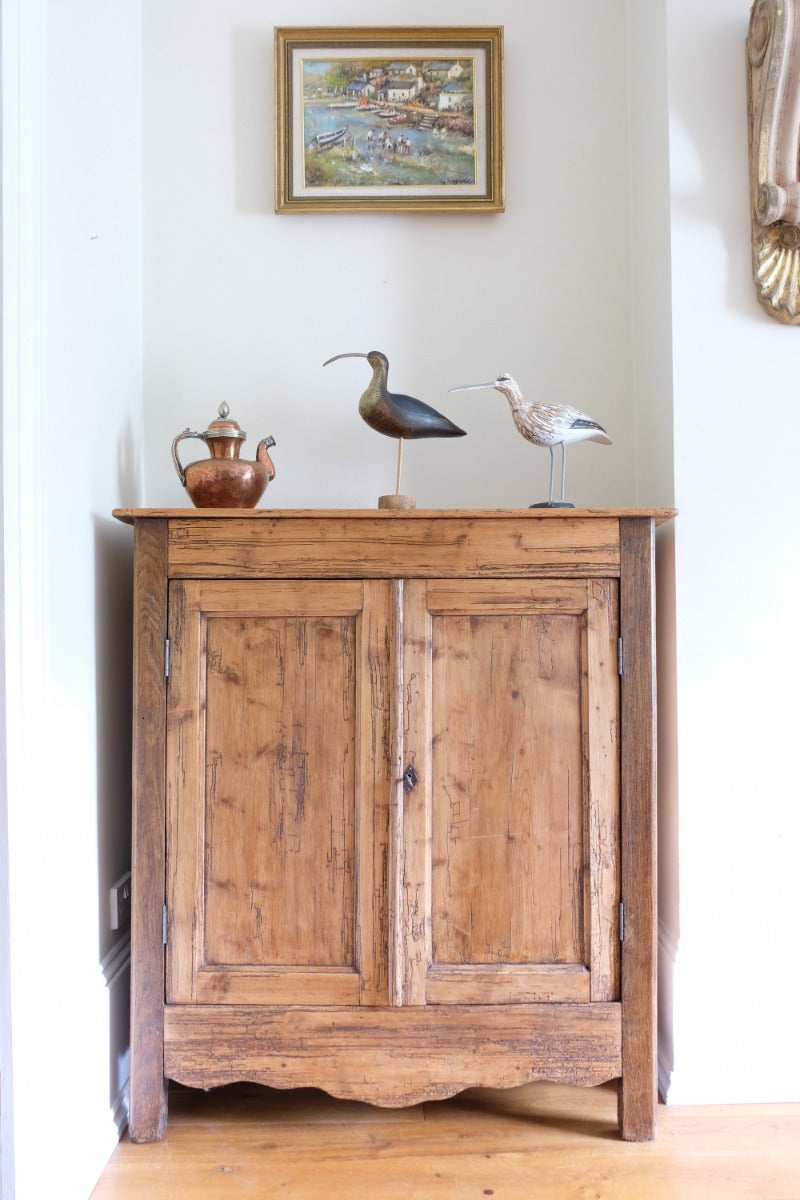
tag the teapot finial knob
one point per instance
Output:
(224, 409)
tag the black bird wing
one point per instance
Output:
(416, 419)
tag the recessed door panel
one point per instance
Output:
(509, 837)
(278, 792)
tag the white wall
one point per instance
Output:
(569, 289)
(72, 437)
(243, 305)
(737, 425)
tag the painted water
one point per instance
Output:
(377, 153)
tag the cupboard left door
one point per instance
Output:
(278, 785)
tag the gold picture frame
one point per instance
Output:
(406, 119)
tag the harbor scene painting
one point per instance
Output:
(389, 119)
(389, 123)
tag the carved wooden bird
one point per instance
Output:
(545, 425)
(394, 414)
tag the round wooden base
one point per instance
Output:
(396, 502)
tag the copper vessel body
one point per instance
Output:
(224, 480)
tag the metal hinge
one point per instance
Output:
(620, 656)
(621, 921)
(164, 924)
(166, 658)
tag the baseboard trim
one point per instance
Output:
(115, 968)
(667, 941)
(667, 955)
(117, 960)
(119, 1110)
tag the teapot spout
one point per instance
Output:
(262, 455)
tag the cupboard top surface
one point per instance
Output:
(129, 515)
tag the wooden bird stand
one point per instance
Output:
(397, 501)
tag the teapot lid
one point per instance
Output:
(223, 427)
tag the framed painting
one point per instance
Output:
(389, 119)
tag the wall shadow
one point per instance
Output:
(113, 556)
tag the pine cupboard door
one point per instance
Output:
(509, 889)
(278, 765)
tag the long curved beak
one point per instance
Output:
(472, 387)
(354, 354)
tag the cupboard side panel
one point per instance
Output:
(638, 1092)
(148, 1095)
(603, 782)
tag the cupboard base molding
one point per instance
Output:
(393, 1057)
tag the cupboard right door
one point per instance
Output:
(508, 874)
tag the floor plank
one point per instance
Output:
(538, 1142)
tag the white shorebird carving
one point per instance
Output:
(545, 425)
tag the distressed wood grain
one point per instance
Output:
(394, 1056)
(370, 548)
(638, 1094)
(602, 780)
(544, 1140)
(414, 911)
(130, 515)
(511, 882)
(278, 748)
(148, 1095)
(328, 928)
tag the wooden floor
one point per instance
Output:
(536, 1142)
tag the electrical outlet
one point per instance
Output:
(120, 902)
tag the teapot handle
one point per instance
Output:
(263, 456)
(187, 433)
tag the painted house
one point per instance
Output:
(438, 72)
(455, 97)
(402, 68)
(402, 90)
(358, 88)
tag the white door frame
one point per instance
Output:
(23, 26)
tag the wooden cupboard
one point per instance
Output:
(394, 803)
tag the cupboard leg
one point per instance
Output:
(638, 1087)
(148, 1093)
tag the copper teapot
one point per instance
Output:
(225, 480)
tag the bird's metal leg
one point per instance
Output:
(550, 502)
(399, 465)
